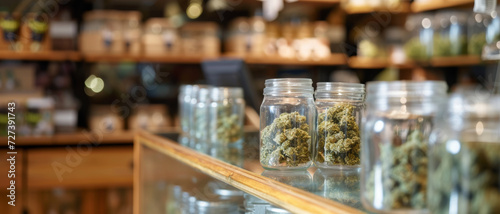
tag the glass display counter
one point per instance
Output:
(171, 178)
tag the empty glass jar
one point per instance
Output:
(464, 158)
(199, 130)
(184, 112)
(396, 129)
(287, 118)
(340, 108)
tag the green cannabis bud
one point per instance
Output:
(404, 173)
(286, 141)
(228, 126)
(469, 175)
(339, 140)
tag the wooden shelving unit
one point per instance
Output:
(404, 7)
(455, 61)
(41, 56)
(374, 63)
(139, 58)
(334, 59)
(426, 5)
(76, 138)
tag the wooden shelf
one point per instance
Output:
(138, 58)
(41, 56)
(334, 59)
(426, 5)
(455, 61)
(373, 63)
(293, 199)
(76, 138)
(404, 7)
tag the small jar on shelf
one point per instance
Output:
(340, 108)
(476, 32)
(450, 34)
(492, 49)
(396, 129)
(419, 44)
(287, 118)
(464, 159)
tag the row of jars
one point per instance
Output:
(211, 116)
(406, 141)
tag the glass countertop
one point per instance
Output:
(338, 185)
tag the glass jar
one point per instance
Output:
(398, 122)
(419, 44)
(184, 112)
(199, 120)
(492, 48)
(464, 158)
(226, 116)
(476, 32)
(450, 33)
(287, 118)
(340, 108)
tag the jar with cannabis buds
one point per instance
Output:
(287, 117)
(340, 108)
(396, 129)
(464, 160)
(226, 113)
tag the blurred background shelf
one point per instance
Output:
(426, 5)
(41, 56)
(84, 137)
(452, 61)
(333, 59)
(139, 58)
(403, 7)
(455, 61)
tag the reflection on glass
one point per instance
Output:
(229, 154)
(339, 185)
(298, 179)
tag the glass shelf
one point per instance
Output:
(171, 178)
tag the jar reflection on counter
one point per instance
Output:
(396, 129)
(287, 118)
(464, 158)
(339, 185)
(340, 107)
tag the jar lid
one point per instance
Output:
(396, 89)
(326, 89)
(288, 86)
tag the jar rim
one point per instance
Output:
(220, 93)
(288, 86)
(406, 88)
(340, 87)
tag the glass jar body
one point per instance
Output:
(420, 41)
(184, 113)
(464, 164)
(287, 131)
(450, 34)
(476, 32)
(338, 142)
(396, 129)
(226, 118)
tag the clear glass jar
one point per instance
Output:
(396, 129)
(464, 158)
(419, 44)
(476, 32)
(340, 109)
(287, 121)
(450, 33)
(492, 48)
(184, 112)
(199, 120)
(226, 116)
